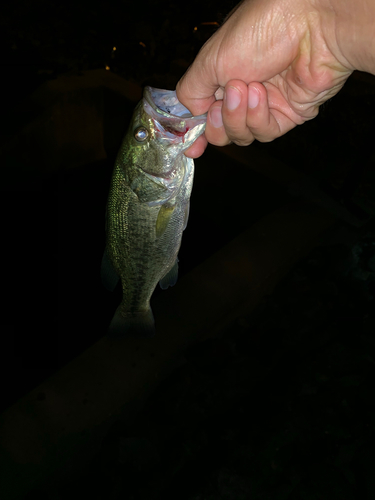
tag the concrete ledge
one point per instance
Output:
(59, 425)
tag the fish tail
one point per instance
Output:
(139, 324)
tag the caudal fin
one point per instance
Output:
(139, 324)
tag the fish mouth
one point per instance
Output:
(166, 103)
(167, 111)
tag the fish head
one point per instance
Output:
(160, 131)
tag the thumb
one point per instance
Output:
(196, 89)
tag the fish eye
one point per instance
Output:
(141, 134)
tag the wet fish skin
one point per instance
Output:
(148, 207)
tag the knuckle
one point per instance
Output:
(266, 137)
(242, 142)
(219, 141)
(241, 139)
(266, 133)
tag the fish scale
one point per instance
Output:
(148, 206)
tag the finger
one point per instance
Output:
(234, 111)
(193, 93)
(196, 89)
(267, 113)
(215, 132)
(197, 148)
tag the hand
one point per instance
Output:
(267, 69)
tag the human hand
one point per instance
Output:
(267, 69)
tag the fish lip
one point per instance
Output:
(166, 110)
(166, 103)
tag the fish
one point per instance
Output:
(148, 207)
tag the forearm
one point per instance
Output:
(353, 30)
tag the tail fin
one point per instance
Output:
(139, 324)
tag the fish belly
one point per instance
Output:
(140, 258)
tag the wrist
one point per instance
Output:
(350, 28)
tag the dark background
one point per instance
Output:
(53, 221)
(304, 363)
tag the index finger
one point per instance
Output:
(196, 89)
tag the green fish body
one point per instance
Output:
(148, 207)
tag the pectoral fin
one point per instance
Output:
(170, 278)
(164, 216)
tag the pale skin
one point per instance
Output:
(272, 64)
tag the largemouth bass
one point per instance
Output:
(148, 207)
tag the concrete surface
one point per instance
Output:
(57, 427)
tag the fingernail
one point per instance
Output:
(216, 118)
(253, 97)
(233, 98)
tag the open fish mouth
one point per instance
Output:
(165, 102)
(170, 116)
